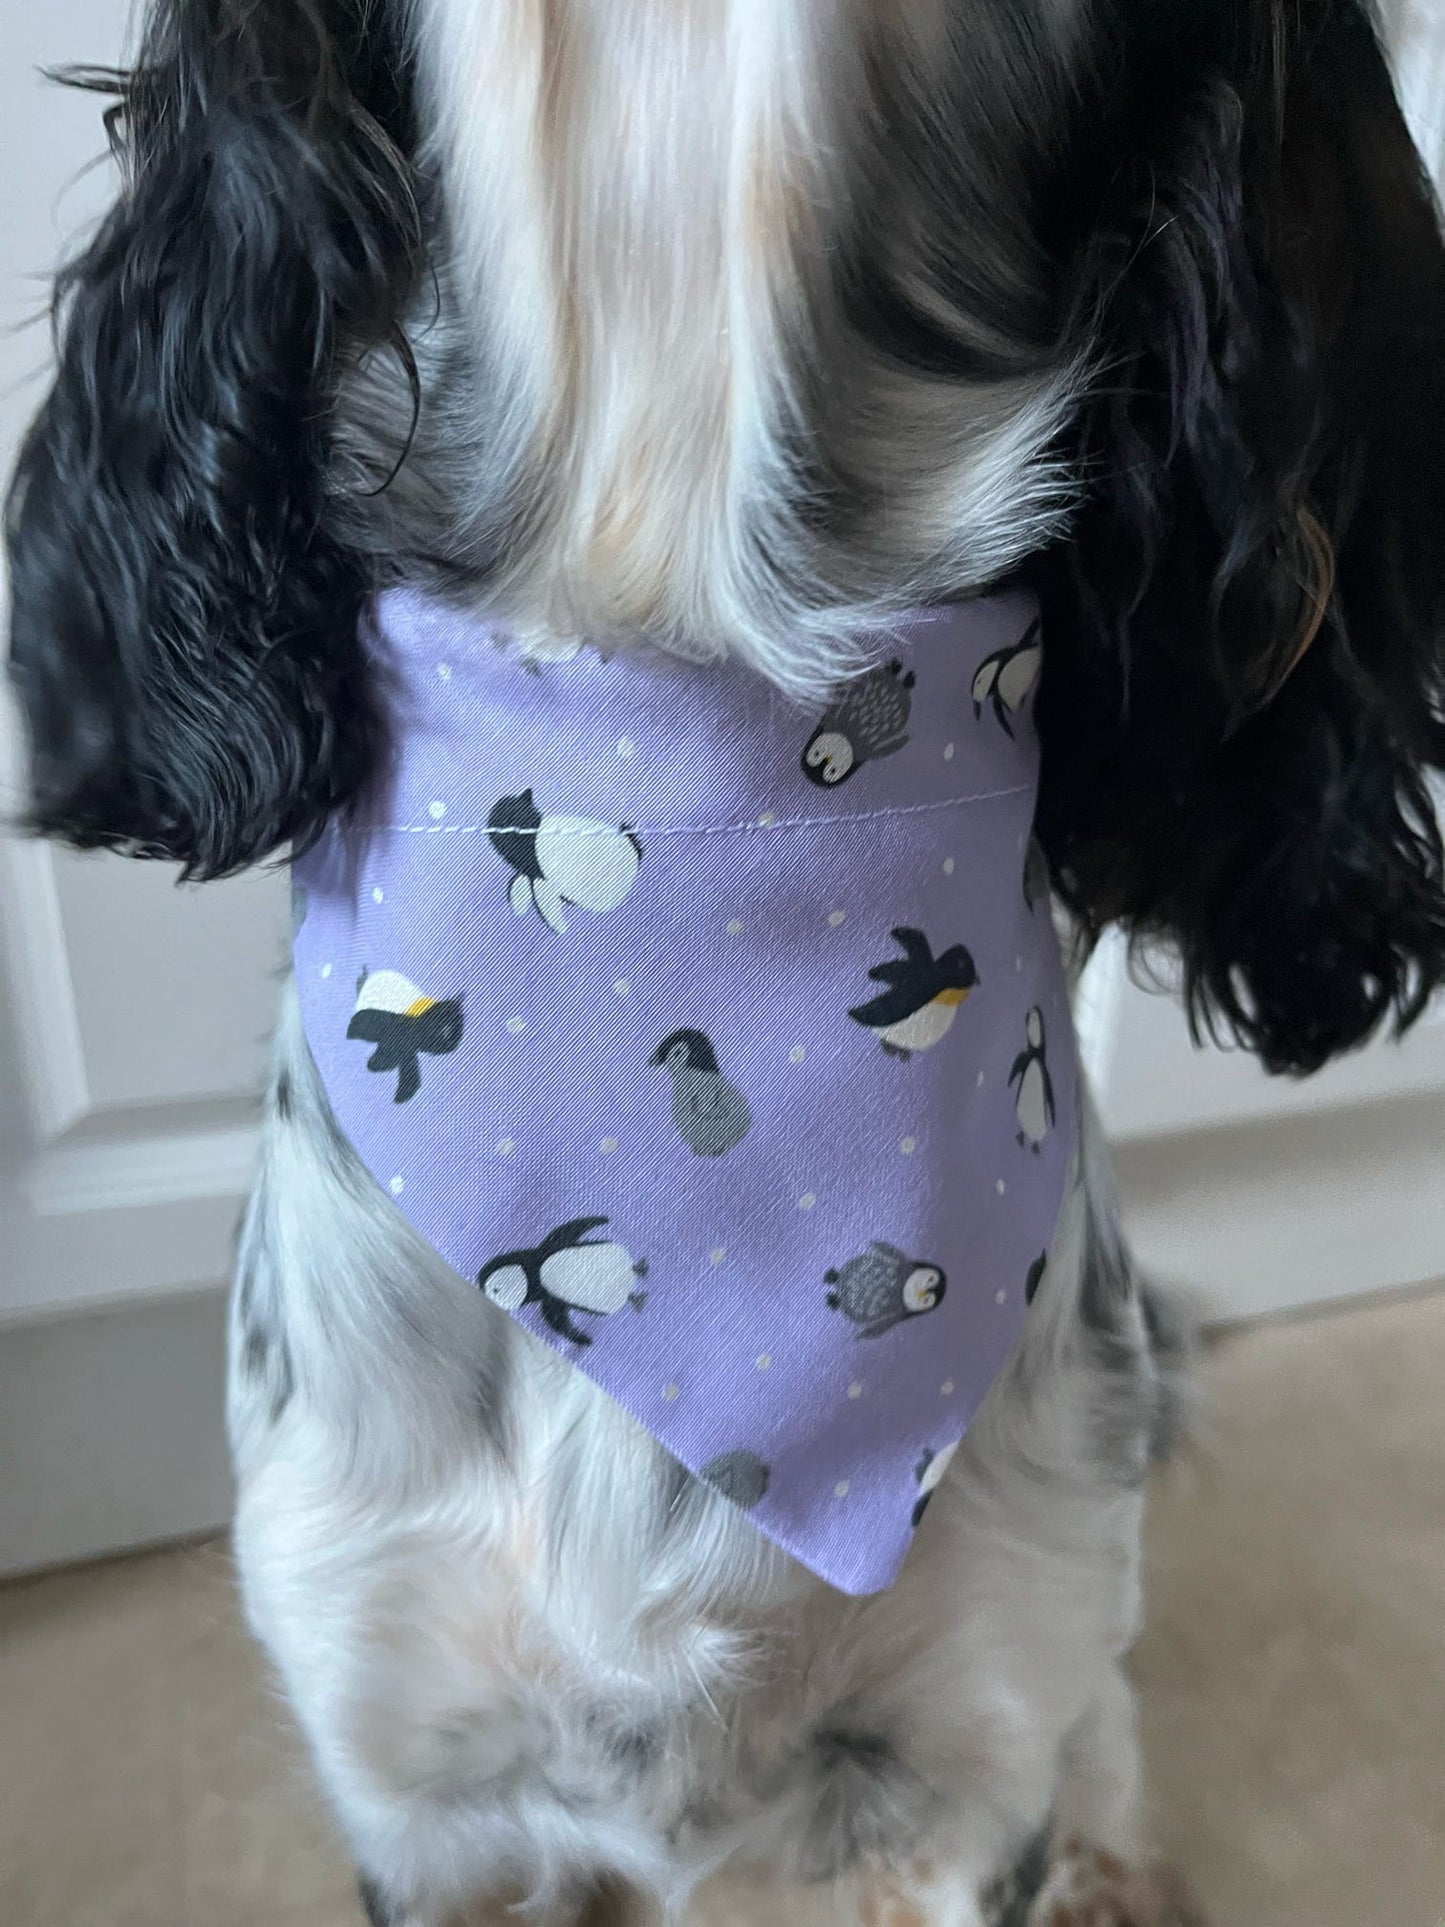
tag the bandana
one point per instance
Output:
(721, 1041)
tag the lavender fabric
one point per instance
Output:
(721, 1041)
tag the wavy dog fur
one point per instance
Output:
(184, 627)
(751, 372)
(1246, 703)
(737, 326)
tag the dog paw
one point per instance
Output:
(1087, 1887)
(924, 1895)
(888, 1905)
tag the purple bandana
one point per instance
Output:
(722, 1042)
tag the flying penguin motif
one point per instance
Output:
(867, 718)
(1035, 1098)
(710, 1112)
(569, 1271)
(393, 1014)
(1005, 678)
(923, 996)
(562, 862)
(882, 1287)
(929, 1475)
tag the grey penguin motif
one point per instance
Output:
(1005, 678)
(740, 1476)
(569, 1271)
(923, 996)
(710, 1112)
(883, 1286)
(1034, 1101)
(867, 718)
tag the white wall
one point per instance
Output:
(133, 1022)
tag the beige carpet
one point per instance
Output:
(1293, 1670)
(1293, 1676)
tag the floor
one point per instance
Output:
(1293, 1678)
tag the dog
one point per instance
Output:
(738, 330)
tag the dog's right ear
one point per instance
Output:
(1244, 708)
(184, 629)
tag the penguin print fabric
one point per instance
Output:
(721, 1041)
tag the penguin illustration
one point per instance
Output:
(1035, 1277)
(392, 1014)
(710, 1112)
(1036, 876)
(562, 862)
(929, 1475)
(740, 1476)
(1006, 677)
(867, 718)
(567, 1272)
(923, 996)
(883, 1286)
(1035, 1099)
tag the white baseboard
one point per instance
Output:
(1257, 1219)
(111, 1431)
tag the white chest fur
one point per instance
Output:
(644, 200)
(633, 187)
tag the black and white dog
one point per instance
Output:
(738, 326)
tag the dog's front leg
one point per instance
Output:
(1101, 1779)
(1099, 1873)
(607, 1907)
(924, 1894)
(500, 1910)
(1088, 1887)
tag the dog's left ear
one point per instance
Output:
(184, 633)
(1242, 701)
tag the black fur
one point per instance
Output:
(378, 1914)
(868, 1800)
(1265, 272)
(263, 1348)
(1008, 1900)
(184, 634)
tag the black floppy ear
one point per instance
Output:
(184, 627)
(1242, 703)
